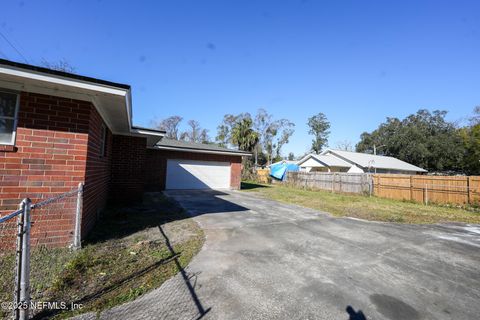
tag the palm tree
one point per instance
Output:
(243, 134)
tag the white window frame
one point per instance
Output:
(14, 118)
(103, 142)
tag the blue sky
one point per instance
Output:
(356, 61)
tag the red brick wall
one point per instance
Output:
(155, 170)
(56, 144)
(156, 166)
(98, 173)
(128, 162)
(236, 175)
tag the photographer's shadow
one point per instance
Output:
(355, 315)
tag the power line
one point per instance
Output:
(4, 37)
(3, 54)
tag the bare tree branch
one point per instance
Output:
(170, 125)
(60, 65)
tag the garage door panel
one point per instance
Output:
(193, 174)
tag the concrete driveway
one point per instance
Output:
(267, 260)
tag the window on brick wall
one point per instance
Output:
(103, 145)
(8, 117)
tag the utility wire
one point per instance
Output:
(3, 54)
(6, 39)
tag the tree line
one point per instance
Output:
(194, 132)
(425, 139)
(261, 134)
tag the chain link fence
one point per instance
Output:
(32, 240)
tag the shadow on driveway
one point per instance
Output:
(191, 287)
(200, 202)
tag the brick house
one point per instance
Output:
(59, 129)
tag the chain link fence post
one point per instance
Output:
(22, 296)
(18, 259)
(77, 239)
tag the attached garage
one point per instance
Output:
(175, 165)
(197, 174)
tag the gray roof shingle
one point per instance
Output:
(167, 143)
(332, 161)
(366, 160)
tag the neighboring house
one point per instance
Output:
(355, 162)
(59, 129)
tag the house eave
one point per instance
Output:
(152, 136)
(193, 150)
(414, 169)
(112, 100)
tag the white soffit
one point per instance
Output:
(113, 104)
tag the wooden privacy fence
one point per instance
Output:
(262, 175)
(332, 181)
(419, 188)
(435, 189)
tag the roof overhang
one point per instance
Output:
(152, 135)
(322, 160)
(113, 101)
(310, 156)
(199, 150)
(374, 165)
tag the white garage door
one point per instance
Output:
(192, 174)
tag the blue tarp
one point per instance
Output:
(279, 170)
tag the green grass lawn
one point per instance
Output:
(130, 252)
(364, 207)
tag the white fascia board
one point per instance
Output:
(336, 155)
(325, 152)
(128, 101)
(62, 81)
(299, 162)
(30, 87)
(312, 156)
(63, 93)
(142, 132)
(319, 162)
(202, 151)
(73, 83)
